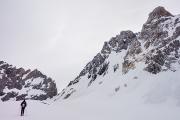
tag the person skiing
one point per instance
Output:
(23, 106)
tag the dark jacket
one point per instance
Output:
(23, 104)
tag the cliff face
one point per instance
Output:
(156, 47)
(17, 84)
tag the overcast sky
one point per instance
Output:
(60, 36)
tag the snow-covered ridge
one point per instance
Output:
(17, 84)
(152, 51)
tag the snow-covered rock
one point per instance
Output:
(17, 84)
(118, 83)
(132, 56)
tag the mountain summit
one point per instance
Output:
(157, 13)
(130, 59)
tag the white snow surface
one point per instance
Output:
(137, 95)
(35, 81)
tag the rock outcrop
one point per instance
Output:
(157, 46)
(19, 84)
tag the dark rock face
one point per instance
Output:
(97, 66)
(157, 46)
(17, 84)
(157, 13)
(157, 33)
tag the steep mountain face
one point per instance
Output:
(153, 50)
(17, 84)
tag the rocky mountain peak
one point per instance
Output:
(157, 13)
(18, 84)
(156, 48)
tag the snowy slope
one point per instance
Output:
(134, 77)
(142, 99)
(137, 56)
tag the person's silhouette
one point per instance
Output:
(23, 106)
